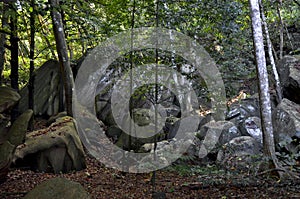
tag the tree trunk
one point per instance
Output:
(62, 52)
(31, 68)
(269, 43)
(62, 13)
(264, 95)
(14, 61)
(2, 40)
(280, 30)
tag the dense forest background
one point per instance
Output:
(223, 28)
(255, 45)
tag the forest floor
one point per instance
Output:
(176, 181)
(179, 181)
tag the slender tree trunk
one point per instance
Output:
(31, 68)
(269, 43)
(280, 30)
(62, 2)
(2, 40)
(262, 74)
(62, 52)
(14, 62)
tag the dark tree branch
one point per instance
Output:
(62, 51)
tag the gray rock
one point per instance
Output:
(239, 152)
(214, 135)
(48, 90)
(15, 137)
(55, 149)
(286, 120)
(16, 133)
(173, 110)
(168, 151)
(171, 126)
(113, 132)
(8, 98)
(103, 106)
(130, 142)
(4, 124)
(6, 153)
(192, 151)
(253, 128)
(143, 117)
(58, 188)
(55, 117)
(289, 73)
(239, 112)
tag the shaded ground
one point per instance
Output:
(175, 182)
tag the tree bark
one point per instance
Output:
(31, 68)
(269, 43)
(280, 30)
(62, 52)
(262, 74)
(3, 40)
(14, 61)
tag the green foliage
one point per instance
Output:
(222, 27)
(189, 170)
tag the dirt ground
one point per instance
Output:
(172, 182)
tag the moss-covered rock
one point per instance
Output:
(8, 98)
(15, 137)
(54, 149)
(58, 188)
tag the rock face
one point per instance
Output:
(15, 137)
(10, 137)
(8, 98)
(286, 119)
(167, 151)
(48, 90)
(239, 152)
(215, 134)
(253, 128)
(289, 73)
(54, 149)
(58, 188)
(240, 112)
(241, 133)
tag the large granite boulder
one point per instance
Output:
(130, 142)
(240, 153)
(214, 135)
(286, 121)
(239, 112)
(55, 149)
(15, 136)
(58, 188)
(144, 118)
(253, 127)
(11, 135)
(48, 90)
(289, 73)
(8, 98)
(167, 152)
